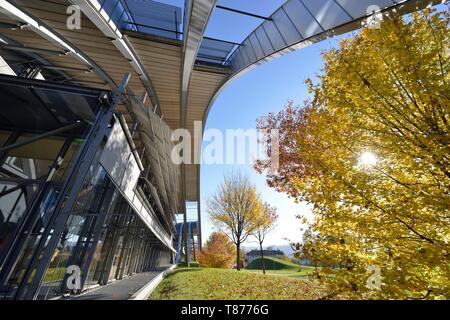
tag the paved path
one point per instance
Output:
(120, 289)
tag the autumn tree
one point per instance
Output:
(371, 152)
(218, 252)
(268, 220)
(308, 249)
(235, 209)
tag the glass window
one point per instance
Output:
(78, 235)
(25, 175)
(22, 174)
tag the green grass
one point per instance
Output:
(279, 267)
(301, 273)
(226, 284)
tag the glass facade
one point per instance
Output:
(30, 181)
(66, 224)
(103, 236)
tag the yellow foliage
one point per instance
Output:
(236, 209)
(219, 252)
(371, 151)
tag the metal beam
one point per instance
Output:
(32, 57)
(243, 12)
(224, 41)
(12, 26)
(61, 68)
(154, 27)
(46, 85)
(196, 17)
(34, 50)
(93, 10)
(42, 136)
(13, 10)
(197, 14)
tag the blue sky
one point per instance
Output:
(264, 89)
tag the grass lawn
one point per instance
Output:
(225, 284)
(301, 273)
(272, 263)
(280, 267)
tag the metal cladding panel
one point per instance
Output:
(264, 41)
(238, 63)
(257, 48)
(155, 196)
(274, 34)
(165, 168)
(286, 27)
(328, 13)
(118, 160)
(154, 140)
(298, 23)
(302, 19)
(172, 167)
(249, 49)
(160, 164)
(243, 55)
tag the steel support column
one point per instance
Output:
(197, 14)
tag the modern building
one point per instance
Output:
(90, 94)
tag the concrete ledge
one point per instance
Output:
(146, 291)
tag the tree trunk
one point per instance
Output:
(316, 269)
(262, 258)
(238, 260)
